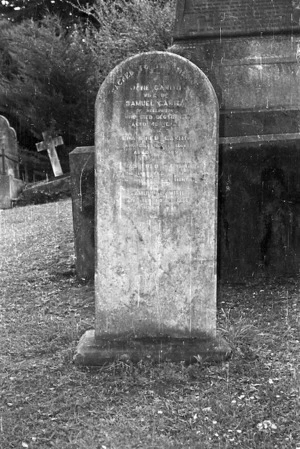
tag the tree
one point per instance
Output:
(50, 73)
(53, 83)
(122, 28)
(49, 76)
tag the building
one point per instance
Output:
(250, 51)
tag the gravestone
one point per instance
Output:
(82, 168)
(50, 143)
(10, 184)
(156, 147)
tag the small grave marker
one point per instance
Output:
(50, 143)
(156, 210)
(10, 184)
(82, 170)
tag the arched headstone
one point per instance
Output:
(10, 184)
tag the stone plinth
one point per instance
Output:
(156, 213)
(95, 352)
(10, 188)
(5, 200)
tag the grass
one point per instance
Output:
(251, 401)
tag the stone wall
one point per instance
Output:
(256, 74)
(235, 16)
(250, 51)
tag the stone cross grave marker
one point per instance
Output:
(156, 147)
(50, 143)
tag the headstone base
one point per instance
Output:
(10, 188)
(93, 352)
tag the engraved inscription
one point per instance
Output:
(156, 175)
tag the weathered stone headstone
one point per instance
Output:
(50, 143)
(10, 184)
(156, 211)
(82, 168)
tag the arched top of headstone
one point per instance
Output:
(8, 137)
(177, 68)
(5, 123)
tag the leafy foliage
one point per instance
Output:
(50, 73)
(52, 83)
(124, 28)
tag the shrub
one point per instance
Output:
(53, 85)
(122, 28)
(50, 73)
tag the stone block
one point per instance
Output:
(10, 188)
(83, 205)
